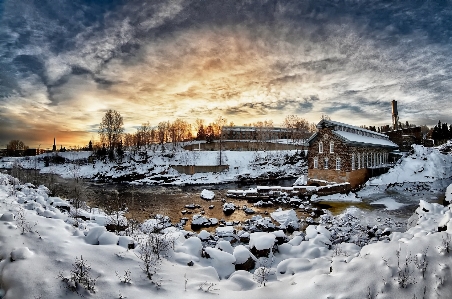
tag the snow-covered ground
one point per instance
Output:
(40, 245)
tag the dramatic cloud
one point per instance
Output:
(63, 63)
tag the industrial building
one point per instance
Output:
(342, 153)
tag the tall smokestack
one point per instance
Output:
(395, 115)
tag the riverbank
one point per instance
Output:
(158, 168)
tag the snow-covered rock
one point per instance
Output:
(228, 208)
(207, 194)
(204, 235)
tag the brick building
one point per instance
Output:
(405, 137)
(343, 153)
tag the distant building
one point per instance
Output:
(54, 145)
(254, 133)
(33, 152)
(405, 137)
(343, 153)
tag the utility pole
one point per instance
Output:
(36, 166)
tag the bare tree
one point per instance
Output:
(111, 128)
(219, 123)
(77, 193)
(299, 127)
(162, 132)
(117, 208)
(14, 146)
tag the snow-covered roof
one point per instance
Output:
(331, 123)
(360, 139)
(355, 135)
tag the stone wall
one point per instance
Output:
(358, 177)
(329, 175)
(244, 146)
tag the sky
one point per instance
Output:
(63, 63)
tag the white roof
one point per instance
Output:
(336, 123)
(355, 138)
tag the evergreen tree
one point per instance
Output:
(210, 134)
(201, 135)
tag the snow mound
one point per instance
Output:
(191, 246)
(93, 235)
(108, 238)
(7, 216)
(223, 262)
(124, 241)
(22, 253)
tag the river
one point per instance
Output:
(397, 202)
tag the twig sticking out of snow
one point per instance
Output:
(22, 222)
(208, 287)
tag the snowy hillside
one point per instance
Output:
(424, 165)
(40, 247)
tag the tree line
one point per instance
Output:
(441, 132)
(112, 136)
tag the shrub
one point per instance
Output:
(80, 277)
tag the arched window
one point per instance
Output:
(326, 163)
(338, 163)
(320, 147)
(359, 161)
(316, 162)
(331, 147)
(353, 161)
